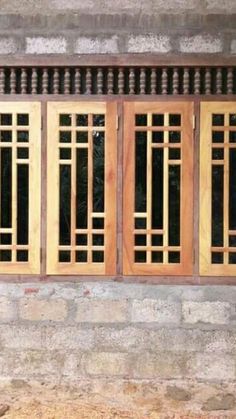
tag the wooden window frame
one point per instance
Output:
(116, 60)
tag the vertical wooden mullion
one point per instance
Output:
(149, 185)
(73, 188)
(165, 189)
(226, 190)
(14, 187)
(90, 185)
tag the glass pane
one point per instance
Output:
(64, 256)
(217, 257)
(98, 120)
(141, 120)
(22, 255)
(218, 119)
(232, 136)
(174, 137)
(232, 189)
(65, 120)
(97, 256)
(6, 119)
(140, 240)
(81, 256)
(232, 258)
(217, 153)
(140, 223)
(6, 136)
(232, 241)
(82, 136)
(22, 119)
(158, 137)
(98, 223)
(81, 239)
(157, 240)
(157, 257)
(81, 187)
(157, 188)
(175, 120)
(22, 153)
(22, 136)
(82, 120)
(174, 153)
(98, 239)
(174, 257)
(140, 171)
(6, 187)
(158, 120)
(139, 256)
(174, 205)
(98, 171)
(217, 205)
(5, 238)
(65, 207)
(65, 153)
(5, 255)
(65, 137)
(218, 136)
(232, 120)
(22, 203)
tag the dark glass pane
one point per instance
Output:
(97, 256)
(140, 171)
(174, 153)
(140, 239)
(232, 120)
(81, 256)
(6, 119)
(175, 120)
(22, 119)
(82, 136)
(218, 120)
(64, 256)
(232, 241)
(22, 203)
(82, 120)
(65, 153)
(98, 120)
(65, 206)
(22, 153)
(81, 188)
(98, 239)
(141, 120)
(157, 188)
(158, 137)
(158, 120)
(232, 136)
(217, 257)
(65, 137)
(22, 255)
(217, 153)
(139, 256)
(6, 186)
(98, 223)
(5, 238)
(232, 257)
(174, 257)
(157, 240)
(5, 255)
(6, 136)
(157, 257)
(140, 223)
(174, 137)
(98, 171)
(65, 120)
(174, 205)
(81, 239)
(217, 205)
(232, 189)
(22, 136)
(217, 136)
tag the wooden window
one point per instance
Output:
(20, 136)
(158, 188)
(218, 189)
(81, 197)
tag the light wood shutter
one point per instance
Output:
(81, 196)
(20, 169)
(218, 189)
(158, 188)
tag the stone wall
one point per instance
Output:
(159, 348)
(110, 26)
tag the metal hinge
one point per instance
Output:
(194, 122)
(117, 122)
